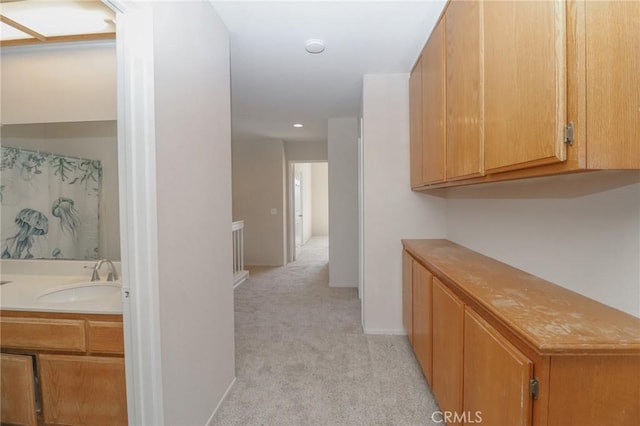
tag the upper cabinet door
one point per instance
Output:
(415, 123)
(433, 107)
(464, 90)
(524, 83)
(613, 84)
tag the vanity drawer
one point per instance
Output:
(43, 334)
(105, 337)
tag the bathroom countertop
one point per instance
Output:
(22, 292)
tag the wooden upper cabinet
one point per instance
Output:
(612, 38)
(415, 123)
(524, 84)
(433, 107)
(464, 90)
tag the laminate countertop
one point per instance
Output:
(549, 318)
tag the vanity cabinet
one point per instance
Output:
(18, 402)
(534, 89)
(79, 364)
(509, 348)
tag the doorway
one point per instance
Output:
(309, 201)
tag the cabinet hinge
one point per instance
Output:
(568, 134)
(534, 388)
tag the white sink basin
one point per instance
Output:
(80, 292)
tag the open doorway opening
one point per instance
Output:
(309, 211)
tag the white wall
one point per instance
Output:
(258, 187)
(193, 152)
(90, 139)
(58, 83)
(343, 202)
(306, 151)
(307, 201)
(391, 210)
(579, 231)
(320, 201)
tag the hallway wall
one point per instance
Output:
(258, 187)
(320, 202)
(391, 210)
(343, 202)
(579, 231)
(193, 164)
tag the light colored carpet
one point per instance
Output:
(302, 358)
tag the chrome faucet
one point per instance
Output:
(113, 272)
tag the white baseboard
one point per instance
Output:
(385, 332)
(224, 397)
(343, 285)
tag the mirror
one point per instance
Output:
(59, 191)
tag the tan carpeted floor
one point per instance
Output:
(302, 358)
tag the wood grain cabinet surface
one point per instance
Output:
(448, 328)
(509, 348)
(428, 112)
(465, 91)
(18, 402)
(532, 89)
(80, 363)
(422, 314)
(407, 295)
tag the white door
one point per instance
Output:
(297, 202)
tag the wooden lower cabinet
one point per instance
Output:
(407, 295)
(83, 390)
(18, 402)
(510, 349)
(496, 375)
(422, 330)
(80, 366)
(599, 389)
(448, 327)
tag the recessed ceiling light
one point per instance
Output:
(314, 46)
(297, 125)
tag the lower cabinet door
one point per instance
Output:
(496, 376)
(407, 295)
(18, 400)
(83, 390)
(448, 317)
(422, 334)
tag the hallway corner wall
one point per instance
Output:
(343, 201)
(320, 202)
(258, 187)
(193, 175)
(391, 210)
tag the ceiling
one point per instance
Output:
(37, 21)
(276, 83)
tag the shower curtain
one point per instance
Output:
(49, 205)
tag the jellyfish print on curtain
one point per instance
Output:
(49, 205)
